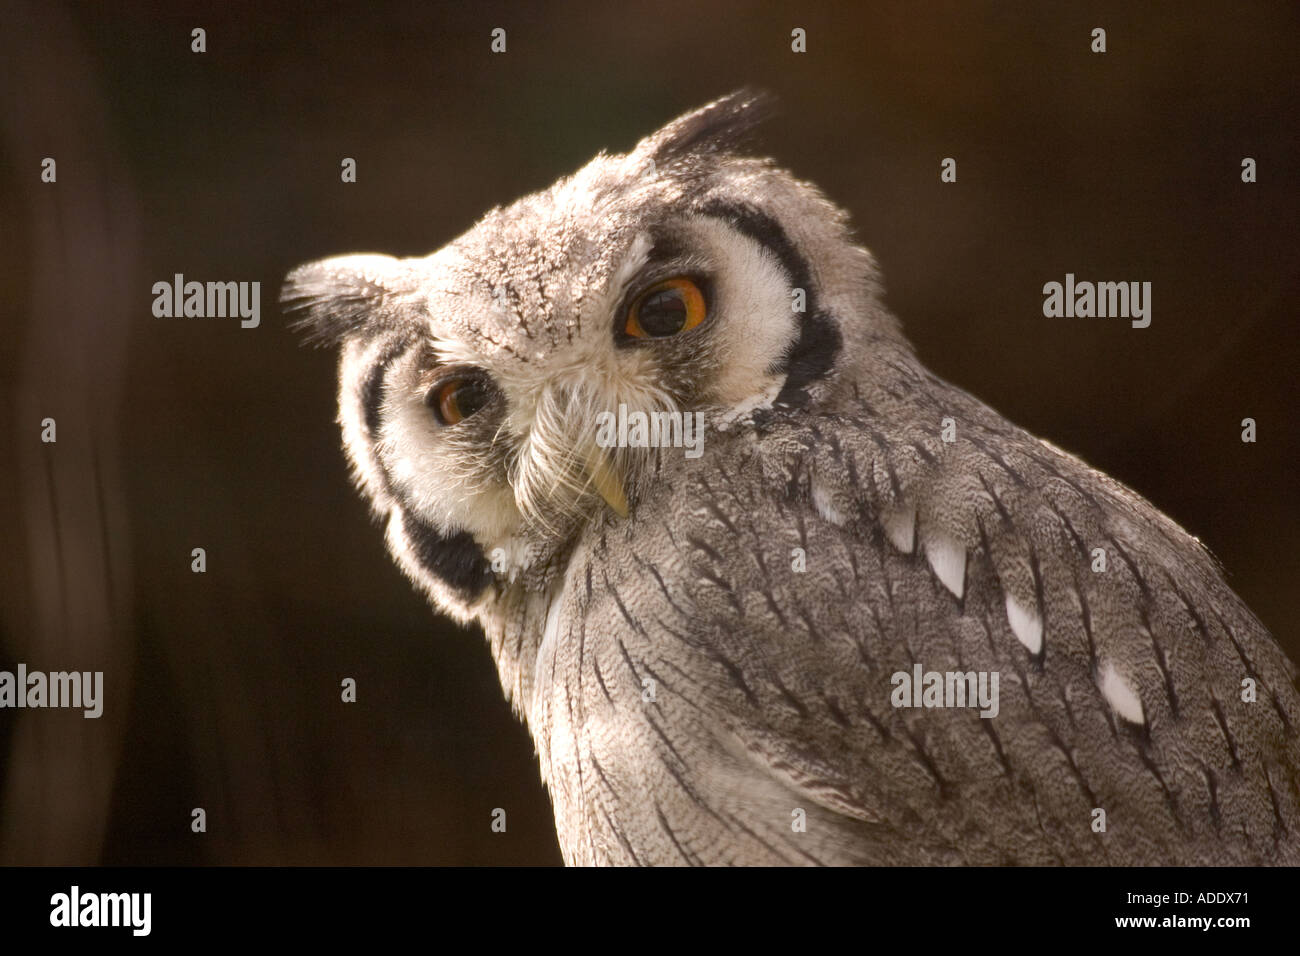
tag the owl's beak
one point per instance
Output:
(606, 480)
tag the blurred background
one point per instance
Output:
(223, 689)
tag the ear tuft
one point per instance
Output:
(718, 127)
(337, 297)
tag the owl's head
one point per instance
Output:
(474, 384)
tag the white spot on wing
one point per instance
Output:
(900, 528)
(1025, 624)
(825, 506)
(948, 558)
(1120, 694)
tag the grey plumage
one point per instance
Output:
(690, 692)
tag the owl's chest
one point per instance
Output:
(631, 710)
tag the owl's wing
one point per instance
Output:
(819, 575)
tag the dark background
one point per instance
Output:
(223, 688)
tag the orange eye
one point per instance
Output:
(665, 308)
(456, 399)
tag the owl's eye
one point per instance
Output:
(666, 308)
(456, 399)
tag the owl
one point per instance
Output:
(764, 589)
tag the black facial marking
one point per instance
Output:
(811, 356)
(455, 559)
(372, 389)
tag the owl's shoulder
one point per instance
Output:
(809, 565)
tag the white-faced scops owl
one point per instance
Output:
(764, 589)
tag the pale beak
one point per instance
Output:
(606, 480)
